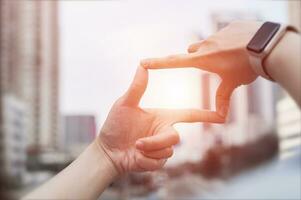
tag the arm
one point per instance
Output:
(284, 64)
(131, 140)
(85, 178)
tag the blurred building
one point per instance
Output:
(251, 112)
(79, 131)
(12, 140)
(289, 127)
(29, 66)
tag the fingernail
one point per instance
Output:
(223, 111)
(139, 144)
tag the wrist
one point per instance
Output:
(275, 60)
(263, 43)
(104, 159)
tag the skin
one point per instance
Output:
(132, 139)
(285, 66)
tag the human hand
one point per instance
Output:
(141, 140)
(223, 53)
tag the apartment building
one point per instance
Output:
(29, 65)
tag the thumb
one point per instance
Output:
(137, 88)
(223, 95)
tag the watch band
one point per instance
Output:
(263, 42)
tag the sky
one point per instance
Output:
(102, 42)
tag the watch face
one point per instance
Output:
(263, 36)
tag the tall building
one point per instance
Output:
(29, 66)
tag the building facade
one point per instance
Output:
(29, 66)
(13, 140)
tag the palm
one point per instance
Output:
(135, 124)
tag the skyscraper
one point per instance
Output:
(29, 66)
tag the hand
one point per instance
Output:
(141, 140)
(223, 53)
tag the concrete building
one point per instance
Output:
(29, 66)
(79, 131)
(13, 140)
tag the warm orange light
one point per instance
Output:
(177, 88)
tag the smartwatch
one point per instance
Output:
(263, 42)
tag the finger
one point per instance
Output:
(188, 115)
(173, 61)
(149, 164)
(159, 154)
(222, 98)
(159, 141)
(194, 47)
(137, 88)
(204, 60)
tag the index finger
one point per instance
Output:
(172, 61)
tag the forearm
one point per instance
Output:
(284, 64)
(85, 178)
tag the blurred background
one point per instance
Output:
(64, 63)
